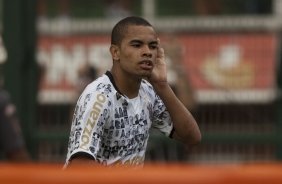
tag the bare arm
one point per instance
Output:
(186, 128)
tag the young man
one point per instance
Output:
(115, 112)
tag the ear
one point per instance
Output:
(114, 49)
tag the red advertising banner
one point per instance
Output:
(231, 61)
(219, 67)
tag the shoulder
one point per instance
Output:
(100, 85)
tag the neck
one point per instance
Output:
(126, 84)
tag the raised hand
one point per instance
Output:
(159, 73)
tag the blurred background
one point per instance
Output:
(224, 64)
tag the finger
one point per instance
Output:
(159, 41)
(160, 49)
(160, 52)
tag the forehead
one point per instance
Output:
(143, 33)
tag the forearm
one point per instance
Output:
(186, 127)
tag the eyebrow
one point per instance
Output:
(136, 41)
(141, 42)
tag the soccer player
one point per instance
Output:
(114, 113)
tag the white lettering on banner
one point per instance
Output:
(61, 61)
(100, 57)
(92, 120)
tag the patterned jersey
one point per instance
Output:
(112, 128)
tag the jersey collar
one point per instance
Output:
(109, 74)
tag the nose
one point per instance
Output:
(146, 51)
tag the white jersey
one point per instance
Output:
(112, 128)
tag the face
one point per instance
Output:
(137, 52)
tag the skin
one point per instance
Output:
(134, 59)
(139, 56)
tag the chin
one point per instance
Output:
(146, 74)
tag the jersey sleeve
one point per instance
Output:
(161, 117)
(87, 124)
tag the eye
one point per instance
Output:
(153, 46)
(136, 45)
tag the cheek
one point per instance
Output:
(127, 60)
(130, 56)
(154, 55)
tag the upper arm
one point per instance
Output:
(161, 118)
(87, 126)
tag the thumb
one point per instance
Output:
(160, 50)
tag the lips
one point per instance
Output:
(146, 64)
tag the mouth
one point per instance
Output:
(146, 64)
